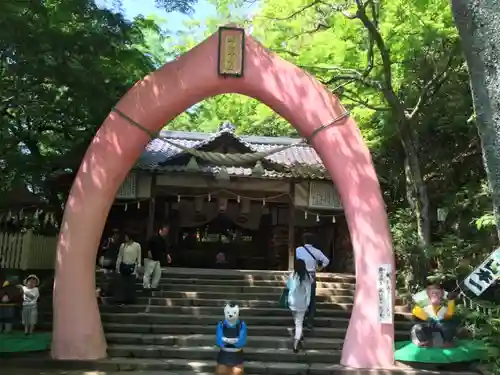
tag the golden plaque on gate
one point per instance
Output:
(231, 51)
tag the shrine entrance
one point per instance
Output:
(226, 62)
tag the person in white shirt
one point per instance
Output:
(129, 256)
(299, 296)
(127, 264)
(30, 304)
(315, 260)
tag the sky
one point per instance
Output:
(133, 8)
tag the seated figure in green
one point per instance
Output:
(435, 325)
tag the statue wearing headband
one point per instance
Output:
(231, 337)
(435, 326)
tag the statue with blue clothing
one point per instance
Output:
(231, 337)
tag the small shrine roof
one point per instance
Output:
(299, 160)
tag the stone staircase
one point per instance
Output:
(174, 329)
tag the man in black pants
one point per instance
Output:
(315, 260)
(157, 253)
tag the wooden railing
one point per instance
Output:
(27, 251)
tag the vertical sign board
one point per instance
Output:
(323, 196)
(231, 51)
(128, 189)
(385, 305)
(484, 275)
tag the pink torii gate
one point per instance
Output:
(163, 95)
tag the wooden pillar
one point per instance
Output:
(291, 227)
(151, 209)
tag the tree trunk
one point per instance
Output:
(416, 192)
(416, 189)
(478, 23)
(418, 199)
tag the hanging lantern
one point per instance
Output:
(442, 214)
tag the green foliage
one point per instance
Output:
(485, 327)
(486, 221)
(63, 65)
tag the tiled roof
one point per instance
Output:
(300, 160)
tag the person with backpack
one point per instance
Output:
(314, 260)
(299, 296)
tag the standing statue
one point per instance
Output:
(435, 324)
(231, 338)
(11, 296)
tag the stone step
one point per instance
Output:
(213, 319)
(226, 289)
(236, 296)
(147, 366)
(46, 303)
(241, 298)
(240, 283)
(196, 288)
(244, 311)
(322, 295)
(209, 353)
(197, 329)
(256, 275)
(253, 341)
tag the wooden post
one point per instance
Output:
(291, 227)
(151, 209)
(25, 249)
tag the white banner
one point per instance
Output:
(384, 281)
(484, 275)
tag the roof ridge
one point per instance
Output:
(205, 136)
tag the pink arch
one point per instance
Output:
(160, 97)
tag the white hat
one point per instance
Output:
(32, 276)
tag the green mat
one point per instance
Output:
(16, 342)
(464, 351)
